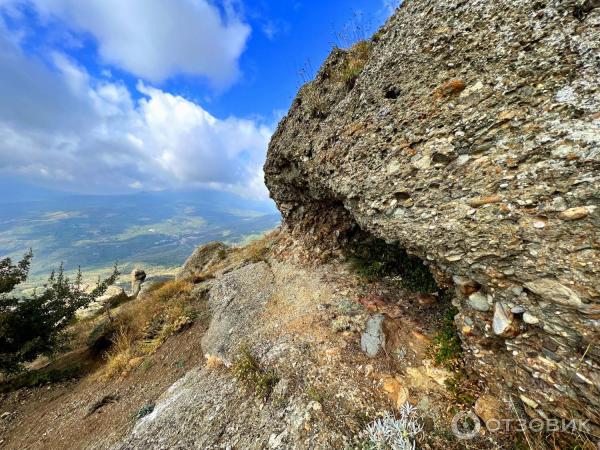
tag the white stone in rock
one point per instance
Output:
(479, 302)
(503, 321)
(530, 319)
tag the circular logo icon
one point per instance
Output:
(466, 425)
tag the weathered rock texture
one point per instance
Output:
(472, 138)
(203, 256)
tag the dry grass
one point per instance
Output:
(356, 58)
(255, 251)
(118, 357)
(142, 326)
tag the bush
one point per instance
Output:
(34, 326)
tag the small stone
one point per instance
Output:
(488, 407)
(373, 339)
(517, 309)
(467, 287)
(395, 391)
(426, 299)
(574, 213)
(315, 406)
(476, 202)
(539, 224)
(478, 301)
(503, 323)
(530, 319)
(5, 415)
(529, 402)
(558, 204)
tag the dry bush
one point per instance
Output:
(255, 251)
(315, 103)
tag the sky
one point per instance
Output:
(122, 96)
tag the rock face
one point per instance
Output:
(203, 256)
(472, 138)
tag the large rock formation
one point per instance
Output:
(472, 138)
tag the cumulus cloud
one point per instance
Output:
(60, 125)
(156, 39)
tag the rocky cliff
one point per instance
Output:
(468, 132)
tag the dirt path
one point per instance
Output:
(59, 416)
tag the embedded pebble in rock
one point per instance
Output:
(471, 125)
(489, 408)
(574, 213)
(530, 319)
(503, 323)
(554, 291)
(373, 339)
(479, 302)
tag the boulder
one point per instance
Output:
(470, 138)
(202, 258)
(138, 276)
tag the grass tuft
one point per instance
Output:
(143, 325)
(356, 58)
(447, 347)
(248, 370)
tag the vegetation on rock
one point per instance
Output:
(373, 258)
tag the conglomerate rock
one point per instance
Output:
(472, 138)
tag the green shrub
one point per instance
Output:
(144, 411)
(373, 259)
(35, 325)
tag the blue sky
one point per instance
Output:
(113, 96)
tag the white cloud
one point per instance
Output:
(61, 125)
(156, 39)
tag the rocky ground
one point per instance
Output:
(297, 354)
